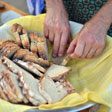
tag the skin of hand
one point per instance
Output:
(56, 26)
(91, 40)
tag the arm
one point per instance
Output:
(54, 4)
(91, 40)
(56, 26)
(105, 14)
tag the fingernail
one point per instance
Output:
(60, 55)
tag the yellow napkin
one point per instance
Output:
(92, 78)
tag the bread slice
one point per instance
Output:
(5, 97)
(29, 67)
(61, 60)
(30, 86)
(12, 80)
(37, 66)
(2, 95)
(5, 42)
(8, 48)
(11, 66)
(10, 51)
(44, 93)
(33, 46)
(39, 61)
(14, 27)
(56, 93)
(21, 53)
(57, 71)
(16, 33)
(67, 86)
(57, 60)
(2, 68)
(42, 47)
(7, 90)
(25, 39)
(28, 83)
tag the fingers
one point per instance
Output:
(51, 33)
(78, 51)
(95, 50)
(72, 46)
(80, 48)
(86, 50)
(56, 44)
(51, 36)
(63, 43)
(91, 53)
(98, 51)
(46, 31)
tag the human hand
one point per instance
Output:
(57, 28)
(90, 41)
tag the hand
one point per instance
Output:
(90, 42)
(57, 29)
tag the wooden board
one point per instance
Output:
(9, 7)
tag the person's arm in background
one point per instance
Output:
(91, 40)
(56, 26)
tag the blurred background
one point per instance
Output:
(12, 9)
(19, 4)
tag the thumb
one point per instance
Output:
(72, 46)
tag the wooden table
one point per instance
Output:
(9, 7)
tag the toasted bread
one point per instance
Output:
(21, 53)
(29, 67)
(67, 86)
(42, 47)
(25, 39)
(28, 82)
(33, 46)
(12, 80)
(7, 90)
(56, 93)
(8, 48)
(37, 66)
(57, 72)
(39, 61)
(2, 95)
(16, 33)
(5, 42)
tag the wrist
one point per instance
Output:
(53, 4)
(104, 15)
(100, 22)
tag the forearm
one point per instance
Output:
(56, 7)
(54, 4)
(104, 15)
